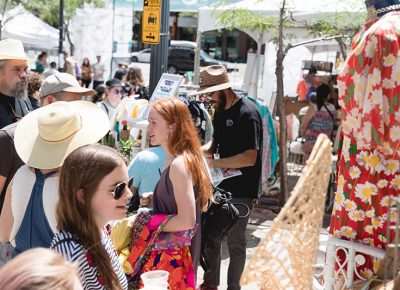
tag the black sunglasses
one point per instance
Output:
(120, 188)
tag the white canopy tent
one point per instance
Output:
(33, 32)
(319, 9)
(93, 31)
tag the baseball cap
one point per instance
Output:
(62, 82)
(114, 83)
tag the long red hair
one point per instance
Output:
(185, 141)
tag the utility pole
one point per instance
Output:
(112, 41)
(61, 38)
(159, 52)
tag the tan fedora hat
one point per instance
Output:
(12, 49)
(62, 82)
(45, 137)
(213, 78)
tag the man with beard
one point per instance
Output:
(14, 103)
(237, 144)
(57, 87)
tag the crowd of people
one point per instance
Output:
(61, 190)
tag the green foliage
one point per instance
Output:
(108, 140)
(126, 147)
(246, 19)
(339, 24)
(49, 10)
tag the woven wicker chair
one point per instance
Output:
(285, 257)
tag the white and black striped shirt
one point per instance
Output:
(64, 243)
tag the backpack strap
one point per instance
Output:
(330, 113)
(105, 107)
(333, 119)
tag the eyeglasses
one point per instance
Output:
(120, 188)
(119, 92)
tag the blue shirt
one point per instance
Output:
(145, 169)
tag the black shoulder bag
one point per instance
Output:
(217, 221)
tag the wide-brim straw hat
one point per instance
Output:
(46, 136)
(12, 49)
(213, 78)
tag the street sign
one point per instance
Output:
(151, 21)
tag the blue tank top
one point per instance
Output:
(35, 230)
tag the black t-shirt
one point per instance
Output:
(10, 161)
(7, 107)
(236, 130)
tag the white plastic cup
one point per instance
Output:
(156, 278)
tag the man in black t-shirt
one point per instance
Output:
(236, 144)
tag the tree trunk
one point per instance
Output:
(281, 111)
(343, 47)
(71, 44)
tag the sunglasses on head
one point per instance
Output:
(120, 188)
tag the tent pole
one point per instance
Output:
(197, 59)
(257, 71)
(61, 38)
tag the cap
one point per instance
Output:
(114, 83)
(62, 82)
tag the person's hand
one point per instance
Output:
(146, 200)
(210, 162)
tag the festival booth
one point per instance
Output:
(208, 21)
(286, 256)
(35, 34)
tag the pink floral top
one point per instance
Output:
(369, 86)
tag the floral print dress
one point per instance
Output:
(368, 165)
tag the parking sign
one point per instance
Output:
(151, 21)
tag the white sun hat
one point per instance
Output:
(46, 136)
(12, 49)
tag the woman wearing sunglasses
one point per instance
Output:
(113, 94)
(94, 189)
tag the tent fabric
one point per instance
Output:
(320, 9)
(22, 25)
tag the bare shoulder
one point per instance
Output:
(178, 168)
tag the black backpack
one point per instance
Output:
(217, 221)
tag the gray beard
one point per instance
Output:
(20, 90)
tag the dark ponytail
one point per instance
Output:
(323, 92)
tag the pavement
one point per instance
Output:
(260, 221)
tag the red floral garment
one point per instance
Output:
(368, 166)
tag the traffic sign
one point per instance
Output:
(151, 21)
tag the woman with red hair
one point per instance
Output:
(169, 238)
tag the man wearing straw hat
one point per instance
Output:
(14, 103)
(237, 144)
(43, 139)
(62, 87)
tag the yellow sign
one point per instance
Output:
(151, 21)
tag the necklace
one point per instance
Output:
(388, 8)
(373, 13)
